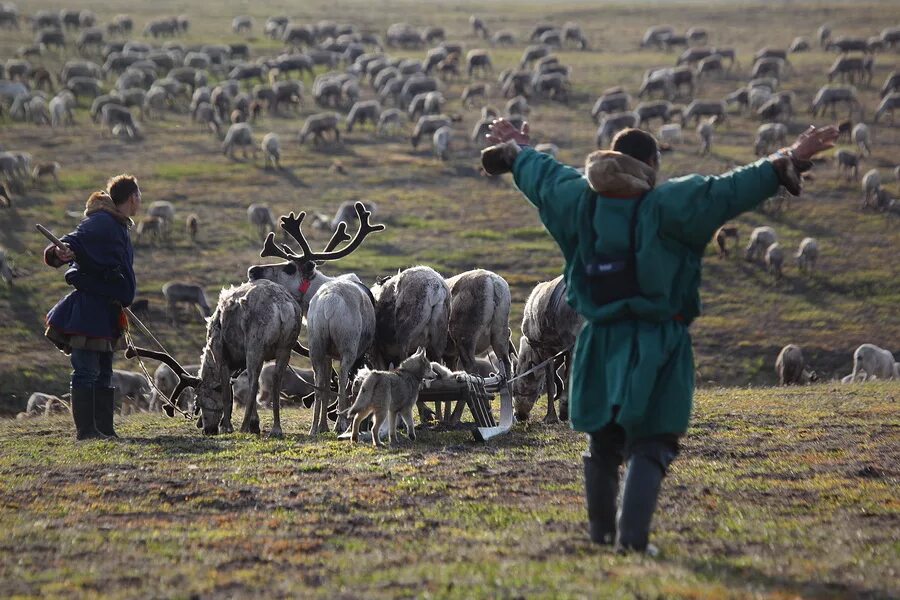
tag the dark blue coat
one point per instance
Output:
(103, 278)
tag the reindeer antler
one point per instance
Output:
(291, 225)
(271, 248)
(185, 379)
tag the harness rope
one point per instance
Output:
(130, 341)
(541, 364)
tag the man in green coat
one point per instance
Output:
(633, 251)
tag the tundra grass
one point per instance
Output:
(778, 493)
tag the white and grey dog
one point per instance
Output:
(389, 395)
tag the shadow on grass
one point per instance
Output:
(176, 445)
(738, 577)
(288, 175)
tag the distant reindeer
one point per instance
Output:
(192, 225)
(177, 292)
(46, 169)
(261, 216)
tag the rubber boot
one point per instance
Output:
(601, 487)
(82, 400)
(104, 408)
(642, 482)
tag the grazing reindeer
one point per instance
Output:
(187, 293)
(47, 169)
(722, 234)
(549, 325)
(252, 323)
(192, 224)
(261, 216)
(340, 312)
(479, 321)
(150, 226)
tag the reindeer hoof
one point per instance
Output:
(251, 427)
(551, 419)
(223, 429)
(276, 434)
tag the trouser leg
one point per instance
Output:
(601, 481)
(648, 462)
(104, 396)
(85, 369)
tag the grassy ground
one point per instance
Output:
(777, 493)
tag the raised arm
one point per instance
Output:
(553, 187)
(693, 207)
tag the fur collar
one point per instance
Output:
(101, 202)
(618, 175)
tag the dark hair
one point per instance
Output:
(636, 143)
(121, 187)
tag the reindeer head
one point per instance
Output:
(299, 272)
(208, 404)
(526, 389)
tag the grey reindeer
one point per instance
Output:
(549, 326)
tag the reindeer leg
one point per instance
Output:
(563, 396)
(550, 379)
(225, 425)
(251, 417)
(280, 366)
(341, 423)
(321, 371)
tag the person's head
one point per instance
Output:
(638, 144)
(125, 194)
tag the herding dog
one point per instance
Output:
(389, 395)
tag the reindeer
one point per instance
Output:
(412, 310)
(261, 216)
(549, 325)
(254, 322)
(176, 292)
(479, 321)
(192, 225)
(340, 311)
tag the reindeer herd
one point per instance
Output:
(450, 320)
(367, 85)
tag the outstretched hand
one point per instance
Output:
(814, 140)
(504, 131)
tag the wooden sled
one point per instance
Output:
(476, 392)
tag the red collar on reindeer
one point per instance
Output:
(304, 285)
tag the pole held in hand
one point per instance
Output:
(49, 235)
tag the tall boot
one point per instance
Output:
(82, 400)
(601, 487)
(104, 408)
(642, 482)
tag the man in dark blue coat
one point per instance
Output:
(88, 322)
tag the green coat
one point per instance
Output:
(644, 366)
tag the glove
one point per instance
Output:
(499, 159)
